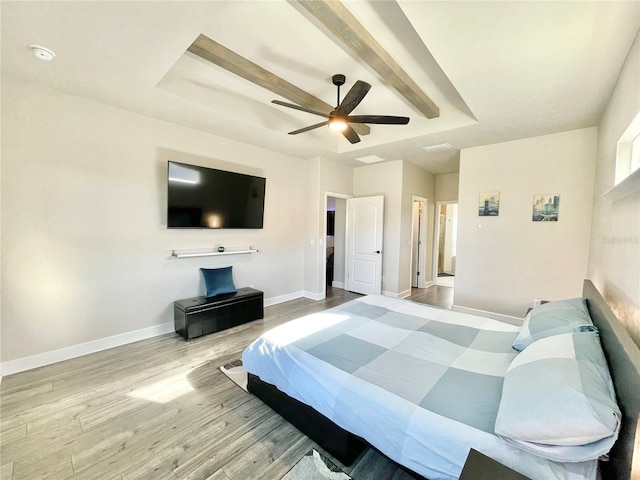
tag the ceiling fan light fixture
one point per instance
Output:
(340, 119)
(337, 124)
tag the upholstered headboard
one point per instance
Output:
(623, 357)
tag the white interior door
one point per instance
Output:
(364, 244)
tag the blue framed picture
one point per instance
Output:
(489, 204)
(545, 207)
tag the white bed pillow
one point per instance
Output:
(553, 318)
(558, 393)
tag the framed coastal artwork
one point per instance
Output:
(489, 204)
(545, 207)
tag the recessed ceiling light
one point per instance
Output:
(438, 148)
(42, 53)
(371, 159)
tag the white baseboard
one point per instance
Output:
(67, 353)
(54, 356)
(483, 313)
(338, 284)
(426, 285)
(283, 298)
(394, 294)
(314, 295)
(404, 294)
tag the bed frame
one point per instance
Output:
(622, 355)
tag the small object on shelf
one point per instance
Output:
(221, 248)
(213, 252)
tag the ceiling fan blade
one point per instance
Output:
(311, 127)
(350, 134)
(353, 98)
(378, 119)
(298, 107)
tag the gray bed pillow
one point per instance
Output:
(553, 318)
(558, 399)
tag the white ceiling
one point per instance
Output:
(498, 70)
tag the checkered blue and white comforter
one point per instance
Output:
(421, 384)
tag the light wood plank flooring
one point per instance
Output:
(435, 295)
(100, 416)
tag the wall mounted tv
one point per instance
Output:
(200, 197)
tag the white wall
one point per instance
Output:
(614, 262)
(85, 245)
(505, 262)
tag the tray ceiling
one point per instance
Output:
(497, 71)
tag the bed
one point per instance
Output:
(359, 374)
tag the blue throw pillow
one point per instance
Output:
(218, 281)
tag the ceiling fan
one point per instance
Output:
(339, 119)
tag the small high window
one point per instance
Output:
(628, 151)
(635, 153)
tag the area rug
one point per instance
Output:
(236, 373)
(315, 466)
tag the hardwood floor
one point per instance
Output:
(101, 416)
(436, 295)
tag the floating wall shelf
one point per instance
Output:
(214, 253)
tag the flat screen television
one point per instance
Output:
(200, 197)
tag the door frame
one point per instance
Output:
(379, 201)
(436, 237)
(423, 248)
(322, 251)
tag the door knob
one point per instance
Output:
(377, 251)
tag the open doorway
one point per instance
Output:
(335, 241)
(418, 242)
(445, 244)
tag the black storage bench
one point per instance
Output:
(198, 316)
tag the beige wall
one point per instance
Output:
(85, 248)
(385, 179)
(323, 176)
(313, 246)
(397, 181)
(614, 261)
(420, 183)
(447, 187)
(505, 262)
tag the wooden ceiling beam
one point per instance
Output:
(348, 30)
(210, 50)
